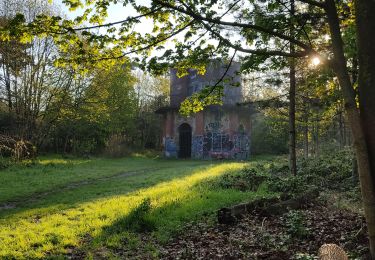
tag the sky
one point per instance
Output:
(116, 12)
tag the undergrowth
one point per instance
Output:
(328, 172)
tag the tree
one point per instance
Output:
(99, 105)
(255, 29)
(28, 80)
(152, 93)
(292, 98)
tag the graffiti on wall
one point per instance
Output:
(221, 146)
(217, 122)
(170, 147)
(197, 147)
(214, 145)
(241, 146)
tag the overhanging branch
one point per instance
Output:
(314, 3)
(263, 52)
(218, 21)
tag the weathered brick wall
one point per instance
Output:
(218, 131)
(194, 82)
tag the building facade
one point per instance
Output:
(217, 131)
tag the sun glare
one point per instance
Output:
(315, 61)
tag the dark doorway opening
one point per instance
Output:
(185, 141)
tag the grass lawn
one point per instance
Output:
(56, 206)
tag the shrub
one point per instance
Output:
(4, 163)
(116, 146)
(291, 185)
(17, 149)
(294, 222)
(328, 171)
(247, 179)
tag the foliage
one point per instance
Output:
(4, 163)
(196, 33)
(291, 185)
(329, 164)
(328, 172)
(247, 180)
(210, 95)
(269, 135)
(294, 222)
(116, 146)
(74, 108)
(105, 106)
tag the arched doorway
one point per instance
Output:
(184, 131)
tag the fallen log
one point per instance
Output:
(229, 215)
(266, 206)
(291, 204)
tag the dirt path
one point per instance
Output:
(35, 197)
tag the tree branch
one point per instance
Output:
(129, 19)
(218, 21)
(314, 3)
(222, 76)
(149, 45)
(252, 51)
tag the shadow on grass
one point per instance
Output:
(91, 190)
(147, 225)
(107, 211)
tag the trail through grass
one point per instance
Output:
(91, 216)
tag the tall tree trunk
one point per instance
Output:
(306, 132)
(365, 20)
(8, 87)
(363, 139)
(292, 101)
(341, 129)
(317, 136)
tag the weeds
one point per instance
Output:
(294, 222)
(140, 220)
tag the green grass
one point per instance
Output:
(88, 204)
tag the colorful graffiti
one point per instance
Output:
(221, 146)
(197, 147)
(170, 147)
(241, 146)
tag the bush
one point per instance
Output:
(269, 136)
(4, 163)
(294, 222)
(291, 185)
(330, 172)
(17, 149)
(247, 179)
(116, 146)
(336, 166)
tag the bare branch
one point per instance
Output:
(258, 28)
(222, 76)
(264, 52)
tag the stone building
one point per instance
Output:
(217, 131)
